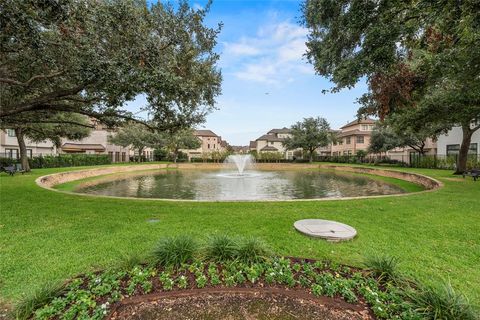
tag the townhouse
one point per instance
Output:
(353, 137)
(209, 142)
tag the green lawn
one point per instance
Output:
(45, 235)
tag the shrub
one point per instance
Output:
(6, 162)
(69, 160)
(383, 267)
(128, 261)
(442, 303)
(221, 248)
(28, 304)
(174, 251)
(252, 250)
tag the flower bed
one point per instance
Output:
(228, 265)
(95, 295)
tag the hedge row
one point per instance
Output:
(63, 160)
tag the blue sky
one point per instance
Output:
(266, 81)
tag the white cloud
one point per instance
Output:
(273, 56)
(240, 49)
(197, 6)
(260, 71)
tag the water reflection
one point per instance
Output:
(257, 185)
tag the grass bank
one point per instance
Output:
(45, 235)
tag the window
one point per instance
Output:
(208, 146)
(473, 148)
(271, 143)
(110, 155)
(347, 140)
(29, 153)
(453, 149)
(123, 156)
(11, 153)
(214, 146)
(360, 139)
(11, 133)
(364, 127)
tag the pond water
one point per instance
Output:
(254, 185)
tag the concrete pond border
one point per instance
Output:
(51, 180)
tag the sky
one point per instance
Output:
(267, 82)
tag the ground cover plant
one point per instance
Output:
(93, 295)
(48, 236)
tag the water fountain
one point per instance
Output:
(241, 162)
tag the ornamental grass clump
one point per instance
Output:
(253, 250)
(384, 268)
(221, 248)
(28, 304)
(129, 261)
(175, 251)
(442, 302)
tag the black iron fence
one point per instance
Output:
(413, 160)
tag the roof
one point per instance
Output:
(283, 130)
(271, 137)
(253, 145)
(361, 121)
(82, 147)
(354, 133)
(269, 148)
(205, 133)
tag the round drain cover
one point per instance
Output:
(325, 229)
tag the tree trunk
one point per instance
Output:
(175, 156)
(140, 152)
(23, 149)
(311, 156)
(464, 147)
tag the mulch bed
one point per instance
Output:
(237, 303)
(244, 301)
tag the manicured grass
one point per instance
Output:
(48, 236)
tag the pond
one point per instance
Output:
(217, 185)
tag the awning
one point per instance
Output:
(82, 147)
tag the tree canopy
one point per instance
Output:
(137, 137)
(90, 57)
(183, 139)
(309, 134)
(416, 55)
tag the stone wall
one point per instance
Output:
(58, 178)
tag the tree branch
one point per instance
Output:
(93, 114)
(31, 80)
(43, 100)
(52, 122)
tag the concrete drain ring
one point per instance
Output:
(325, 229)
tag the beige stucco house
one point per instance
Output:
(210, 142)
(353, 136)
(98, 143)
(273, 142)
(404, 154)
(9, 146)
